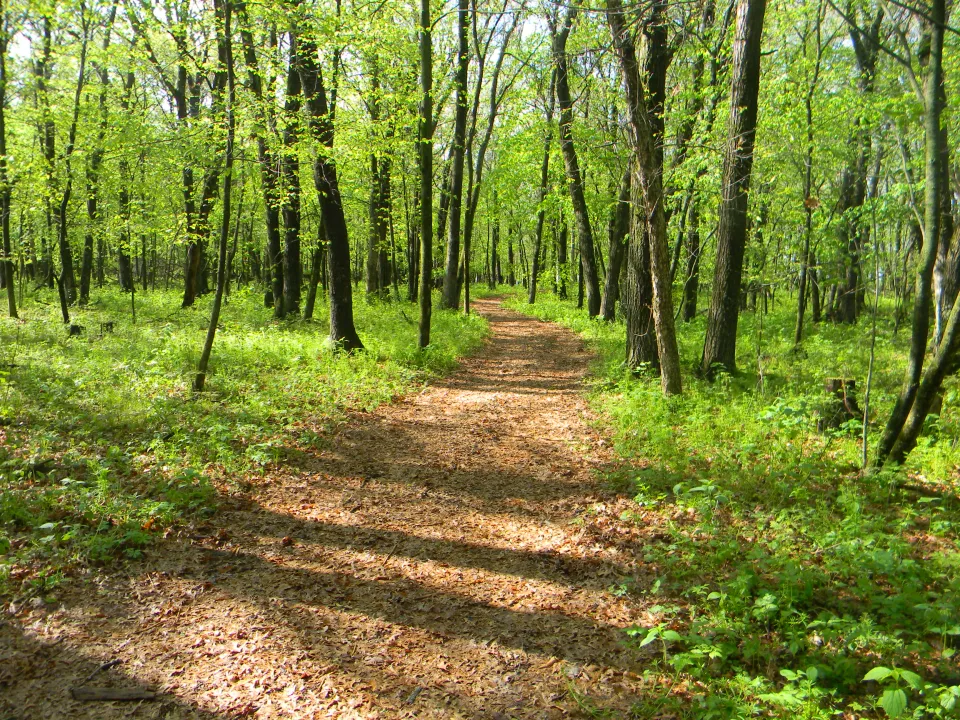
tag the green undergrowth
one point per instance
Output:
(784, 581)
(103, 444)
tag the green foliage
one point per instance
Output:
(784, 582)
(103, 444)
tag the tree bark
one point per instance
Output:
(226, 57)
(269, 168)
(426, 173)
(290, 175)
(572, 165)
(646, 136)
(93, 170)
(618, 232)
(922, 307)
(343, 333)
(5, 190)
(451, 285)
(542, 192)
(720, 344)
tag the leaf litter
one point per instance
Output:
(452, 555)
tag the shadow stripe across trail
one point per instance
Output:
(434, 558)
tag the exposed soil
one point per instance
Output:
(449, 556)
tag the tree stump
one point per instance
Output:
(840, 405)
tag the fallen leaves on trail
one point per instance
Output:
(450, 556)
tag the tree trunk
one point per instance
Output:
(269, 167)
(720, 344)
(343, 333)
(451, 285)
(562, 251)
(426, 173)
(222, 8)
(572, 166)
(315, 273)
(290, 174)
(618, 234)
(646, 136)
(691, 284)
(5, 191)
(924, 274)
(542, 192)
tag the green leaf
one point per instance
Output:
(672, 635)
(894, 702)
(651, 636)
(913, 680)
(812, 674)
(878, 674)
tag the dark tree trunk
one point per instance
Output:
(618, 231)
(426, 173)
(691, 284)
(451, 285)
(571, 163)
(343, 333)
(290, 174)
(269, 167)
(646, 136)
(67, 276)
(815, 296)
(542, 193)
(413, 247)
(93, 173)
(720, 344)
(562, 250)
(7, 265)
(225, 52)
(316, 272)
(898, 440)
(854, 182)
(641, 346)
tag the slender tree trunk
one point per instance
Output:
(571, 163)
(542, 193)
(619, 233)
(93, 172)
(5, 192)
(720, 344)
(451, 285)
(67, 275)
(922, 307)
(426, 173)
(413, 245)
(269, 167)
(226, 57)
(691, 284)
(315, 273)
(290, 174)
(562, 243)
(496, 97)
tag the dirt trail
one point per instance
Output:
(449, 556)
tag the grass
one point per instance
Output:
(786, 582)
(103, 444)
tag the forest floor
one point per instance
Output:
(452, 555)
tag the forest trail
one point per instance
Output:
(447, 556)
